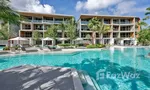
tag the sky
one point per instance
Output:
(77, 7)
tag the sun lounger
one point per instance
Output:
(30, 50)
(4, 52)
(54, 48)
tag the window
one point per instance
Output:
(26, 26)
(84, 27)
(125, 35)
(115, 35)
(28, 34)
(125, 28)
(38, 27)
(106, 35)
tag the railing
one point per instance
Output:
(3, 42)
(84, 22)
(125, 23)
(115, 22)
(58, 22)
(37, 21)
(48, 21)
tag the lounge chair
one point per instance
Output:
(54, 48)
(30, 50)
(4, 52)
(43, 49)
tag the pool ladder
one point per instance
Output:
(88, 82)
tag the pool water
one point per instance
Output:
(1, 47)
(114, 61)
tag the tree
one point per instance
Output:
(71, 29)
(52, 32)
(7, 14)
(36, 36)
(93, 25)
(4, 35)
(88, 36)
(63, 27)
(102, 29)
(142, 24)
(144, 37)
(148, 11)
(96, 25)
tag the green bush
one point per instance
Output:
(6, 48)
(96, 46)
(66, 44)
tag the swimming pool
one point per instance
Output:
(1, 47)
(131, 60)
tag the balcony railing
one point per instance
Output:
(58, 22)
(125, 23)
(84, 22)
(39, 21)
(48, 21)
(26, 28)
(115, 22)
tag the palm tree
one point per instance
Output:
(93, 25)
(102, 29)
(52, 32)
(63, 27)
(4, 32)
(7, 14)
(148, 11)
(142, 24)
(71, 29)
(36, 36)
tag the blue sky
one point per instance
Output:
(77, 7)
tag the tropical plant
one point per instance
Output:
(144, 37)
(7, 14)
(4, 35)
(142, 24)
(88, 36)
(36, 36)
(71, 29)
(148, 11)
(63, 27)
(96, 25)
(102, 29)
(93, 25)
(51, 32)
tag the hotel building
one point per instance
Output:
(123, 29)
(40, 22)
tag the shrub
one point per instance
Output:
(64, 45)
(96, 46)
(6, 48)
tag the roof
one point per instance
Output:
(29, 77)
(107, 16)
(43, 14)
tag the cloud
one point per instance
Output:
(115, 7)
(95, 4)
(127, 7)
(31, 6)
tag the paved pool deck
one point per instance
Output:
(29, 77)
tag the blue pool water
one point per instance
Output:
(95, 63)
(1, 47)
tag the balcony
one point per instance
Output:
(58, 22)
(37, 21)
(48, 21)
(125, 23)
(84, 22)
(115, 22)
